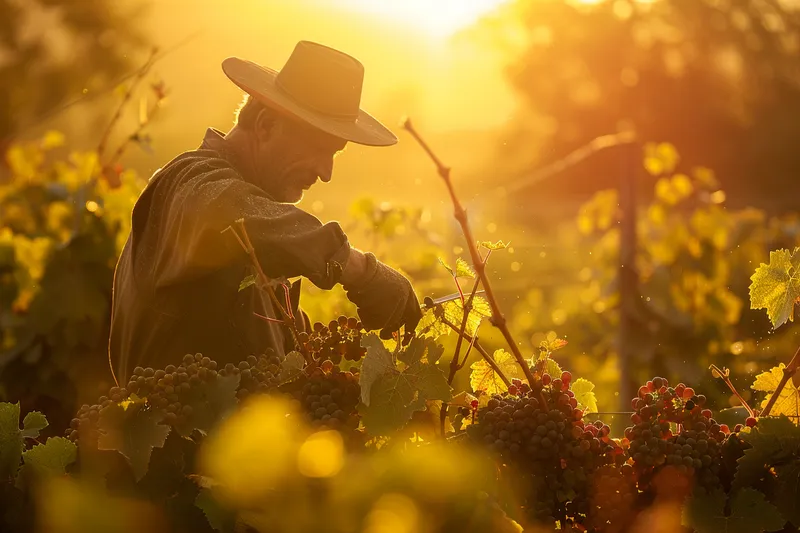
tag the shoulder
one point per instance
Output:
(196, 164)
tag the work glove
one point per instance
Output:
(385, 299)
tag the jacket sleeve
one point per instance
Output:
(288, 241)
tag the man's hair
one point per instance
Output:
(248, 111)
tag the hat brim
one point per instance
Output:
(259, 82)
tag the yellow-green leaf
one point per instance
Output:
(484, 378)
(463, 269)
(788, 403)
(448, 267)
(776, 286)
(584, 393)
(489, 245)
(660, 158)
(52, 139)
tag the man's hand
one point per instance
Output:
(384, 297)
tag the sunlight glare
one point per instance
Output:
(439, 18)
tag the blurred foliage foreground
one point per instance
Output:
(351, 433)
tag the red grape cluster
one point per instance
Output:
(340, 339)
(672, 428)
(538, 432)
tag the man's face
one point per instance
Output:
(292, 157)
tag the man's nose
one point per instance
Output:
(325, 171)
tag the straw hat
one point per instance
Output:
(318, 85)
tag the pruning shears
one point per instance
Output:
(430, 303)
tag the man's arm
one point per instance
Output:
(288, 241)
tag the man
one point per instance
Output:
(176, 286)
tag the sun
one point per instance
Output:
(440, 18)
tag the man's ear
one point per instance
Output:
(265, 125)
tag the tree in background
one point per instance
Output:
(52, 51)
(718, 78)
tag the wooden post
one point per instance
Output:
(627, 276)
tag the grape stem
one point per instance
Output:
(724, 376)
(481, 350)
(497, 319)
(288, 321)
(788, 372)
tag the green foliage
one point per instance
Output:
(776, 286)
(393, 388)
(12, 438)
(134, 433)
(51, 458)
(750, 512)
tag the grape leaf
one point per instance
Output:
(788, 493)
(550, 366)
(773, 441)
(463, 399)
(421, 349)
(51, 458)
(788, 403)
(246, 282)
(454, 313)
(552, 343)
(431, 325)
(448, 267)
(10, 439)
(463, 269)
(33, 423)
(489, 245)
(394, 396)
(211, 403)
(291, 367)
(484, 378)
(219, 517)
(583, 390)
(776, 286)
(134, 433)
(377, 362)
(750, 513)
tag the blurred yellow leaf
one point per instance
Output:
(52, 139)
(254, 450)
(321, 455)
(660, 158)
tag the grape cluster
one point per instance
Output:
(613, 499)
(258, 375)
(672, 428)
(340, 339)
(329, 397)
(538, 432)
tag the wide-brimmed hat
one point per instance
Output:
(318, 85)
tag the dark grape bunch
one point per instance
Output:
(613, 499)
(539, 434)
(165, 389)
(329, 397)
(340, 339)
(258, 375)
(693, 449)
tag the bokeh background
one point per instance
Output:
(557, 117)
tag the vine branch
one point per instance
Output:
(788, 372)
(725, 376)
(497, 319)
(481, 350)
(454, 362)
(287, 320)
(140, 74)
